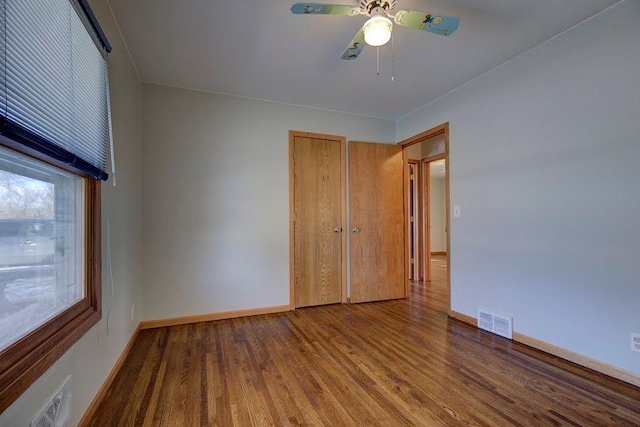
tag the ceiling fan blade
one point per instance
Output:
(355, 47)
(324, 9)
(434, 23)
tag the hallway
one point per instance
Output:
(435, 294)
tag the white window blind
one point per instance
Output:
(54, 82)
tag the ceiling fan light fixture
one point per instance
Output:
(377, 30)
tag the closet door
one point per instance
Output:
(376, 215)
(317, 219)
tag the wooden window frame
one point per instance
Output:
(23, 362)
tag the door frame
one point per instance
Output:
(442, 129)
(343, 212)
(418, 217)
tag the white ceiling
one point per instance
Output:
(259, 49)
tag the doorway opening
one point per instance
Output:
(427, 223)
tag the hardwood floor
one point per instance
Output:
(381, 364)
(434, 294)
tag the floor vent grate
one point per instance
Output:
(56, 412)
(498, 324)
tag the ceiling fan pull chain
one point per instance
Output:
(377, 60)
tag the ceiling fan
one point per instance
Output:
(377, 30)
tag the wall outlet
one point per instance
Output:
(133, 309)
(635, 342)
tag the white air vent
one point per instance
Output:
(500, 325)
(56, 412)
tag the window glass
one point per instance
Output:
(41, 244)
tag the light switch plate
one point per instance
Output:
(456, 211)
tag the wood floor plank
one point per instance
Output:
(401, 362)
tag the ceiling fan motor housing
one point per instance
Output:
(372, 7)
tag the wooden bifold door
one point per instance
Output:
(318, 218)
(377, 222)
(318, 223)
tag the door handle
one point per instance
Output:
(355, 229)
(337, 229)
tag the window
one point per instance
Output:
(41, 268)
(54, 129)
(49, 266)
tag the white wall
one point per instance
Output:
(90, 360)
(437, 200)
(433, 146)
(216, 197)
(414, 152)
(427, 148)
(544, 154)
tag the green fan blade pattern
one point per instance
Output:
(355, 47)
(431, 22)
(324, 9)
